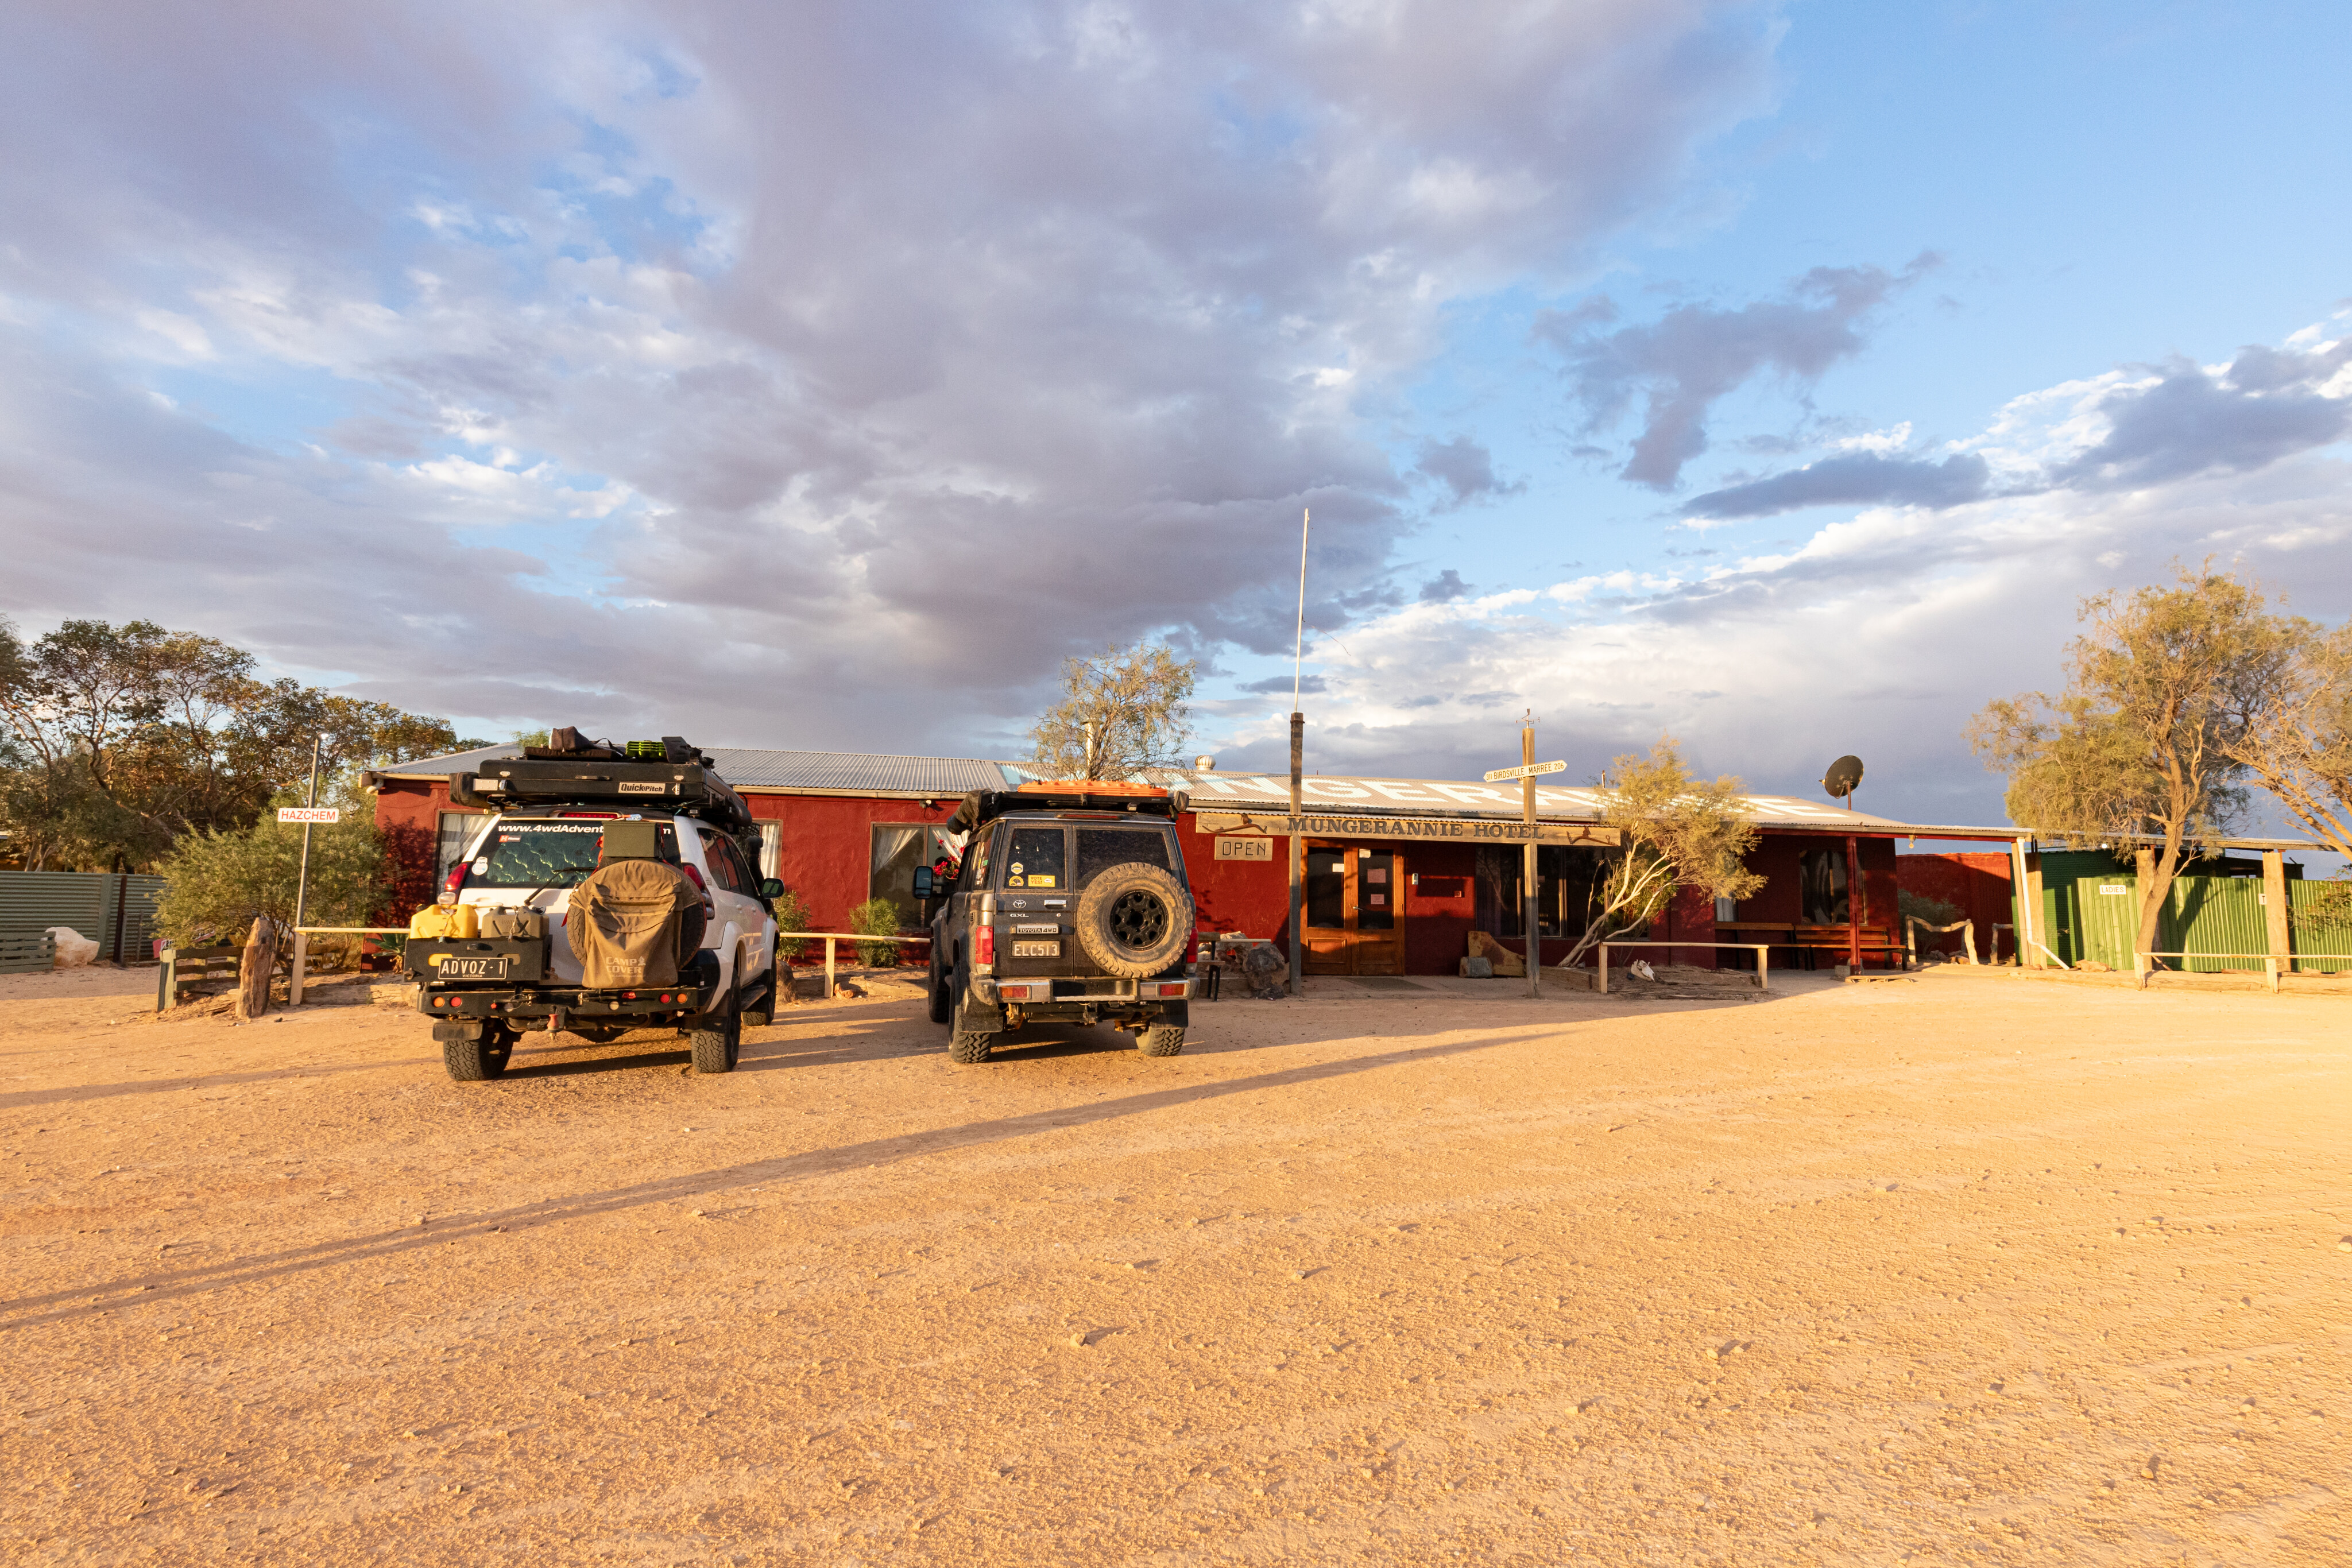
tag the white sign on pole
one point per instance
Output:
(1532, 770)
(309, 814)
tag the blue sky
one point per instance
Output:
(1779, 376)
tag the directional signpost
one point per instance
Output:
(1527, 773)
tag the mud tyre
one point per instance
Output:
(969, 1047)
(1161, 1040)
(716, 1045)
(475, 1057)
(1134, 921)
(942, 999)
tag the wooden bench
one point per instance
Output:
(28, 952)
(1808, 942)
(187, 967)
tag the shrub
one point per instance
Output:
(792, 914)
(217, 883)
(875, 917)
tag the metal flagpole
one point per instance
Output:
(1297, 764)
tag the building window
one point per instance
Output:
(899, 849)
(771, 849)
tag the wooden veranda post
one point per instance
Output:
(1853, 904)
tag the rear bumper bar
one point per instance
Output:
(1096, 993)
(534, 1003)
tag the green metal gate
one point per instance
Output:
(2107, 922)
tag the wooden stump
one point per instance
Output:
(254, 968)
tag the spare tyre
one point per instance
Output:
(1134, 920)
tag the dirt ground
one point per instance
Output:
(1952, 1268)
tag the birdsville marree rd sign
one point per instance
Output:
(1465, 830)
(1532, 770)
(309, 814)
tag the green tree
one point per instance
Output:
(1678, 830)
(1119, 714)
(123, 738)
(2140, 746)
(2297, 746)
(218, 882)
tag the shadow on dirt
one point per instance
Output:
(155, 1289)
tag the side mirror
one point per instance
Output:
(772, 890)
(922, 882)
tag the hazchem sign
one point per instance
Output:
(309, 814)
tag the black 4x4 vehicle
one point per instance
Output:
(1071, 904)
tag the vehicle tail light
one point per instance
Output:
(987, 938)
(456, 880)
(1036, 991)
(1165, 988)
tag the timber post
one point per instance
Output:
(1532, 914)
(2275, 910)
(255, 968)
(1298, 856)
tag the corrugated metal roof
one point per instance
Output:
(834, 773)
(877, 773)
(1334, 794)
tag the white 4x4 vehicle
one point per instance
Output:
(516, 971)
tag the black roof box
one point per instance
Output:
(985, 805)
(688, 789)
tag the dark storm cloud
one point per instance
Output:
(1444, 587)
(916, 351)
(1282, 684)
(1466, 468)
(1860, 477)
(1681, 364)
(2264, 407)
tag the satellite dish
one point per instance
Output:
(1843, 775)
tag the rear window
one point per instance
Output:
(1099, 848)
(1034, 859)
(529, 852)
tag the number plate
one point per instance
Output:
(474, 968)
(1036, 949)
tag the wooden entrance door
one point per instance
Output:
(1355, 911)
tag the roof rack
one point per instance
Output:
(690, 789)
(1076, 795)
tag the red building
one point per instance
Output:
(1395, 885)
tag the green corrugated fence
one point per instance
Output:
(2098, 917)
(2324, 946)
(113, 909)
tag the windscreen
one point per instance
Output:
(547, 851)
(1099, 848)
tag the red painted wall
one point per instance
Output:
(1977, 883)
(1782, 898)
(825, 853)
